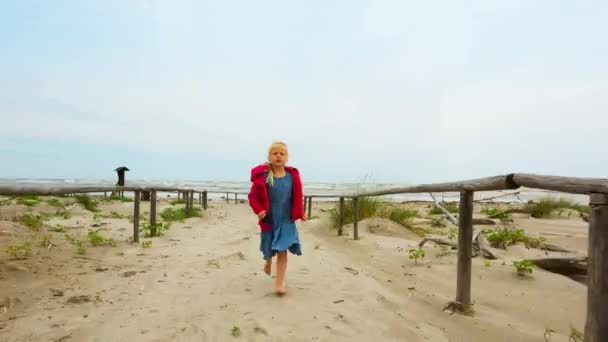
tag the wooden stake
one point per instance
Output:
(309, 206)
(153, 213)
(341, 216)
(596, 327)
(465, 251)
(356, 218)
(136, 203)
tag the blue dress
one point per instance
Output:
(283, 235)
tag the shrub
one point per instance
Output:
(87, 202)
(180, 214)
(501, 238)
(416, 253)
(19, 251)
(367, 207)
(523, 267)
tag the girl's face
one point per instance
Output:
(278, 156)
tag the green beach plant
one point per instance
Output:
(367, 207)
(416, 253)
(180, 214)
(87, 202)
(546, 206)
(523, 267)
(500, 214)
(21, 251)
(502, 238)
(96, 239)
(34, 221)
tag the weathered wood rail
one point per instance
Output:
(596, 328)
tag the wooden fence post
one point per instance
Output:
(596, 327)
(356, 218)
(136, 217)
(465, 251)
(309, 206)
(341, 216)
(153, 213)
(205, 200)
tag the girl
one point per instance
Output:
(276, 198)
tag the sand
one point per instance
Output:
(203, 281)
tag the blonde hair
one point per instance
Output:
(270, 177)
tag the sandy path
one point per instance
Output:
(203, 279)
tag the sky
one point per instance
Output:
(388, 91)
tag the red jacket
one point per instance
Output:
(258, 195)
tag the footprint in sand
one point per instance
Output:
(432, 333)
(226, 260)
(304, 270)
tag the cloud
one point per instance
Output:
(376, 86)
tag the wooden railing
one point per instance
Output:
(596, 328)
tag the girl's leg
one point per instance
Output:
(268, 266)
(281, 268)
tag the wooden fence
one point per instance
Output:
(596, 328)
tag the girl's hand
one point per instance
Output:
(262, 214)
(304, 218)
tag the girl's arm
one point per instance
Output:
(254, 201)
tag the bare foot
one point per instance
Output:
(268, 267)
(280, 291)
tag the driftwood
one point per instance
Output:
(439, 241)
(480, 245)
(483, 221)
(484, 246)
(517, 211)
(553, 248)
(495, 197)
(565, 266)
(447, 214)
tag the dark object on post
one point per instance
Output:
(121, 177)
(596, 328)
